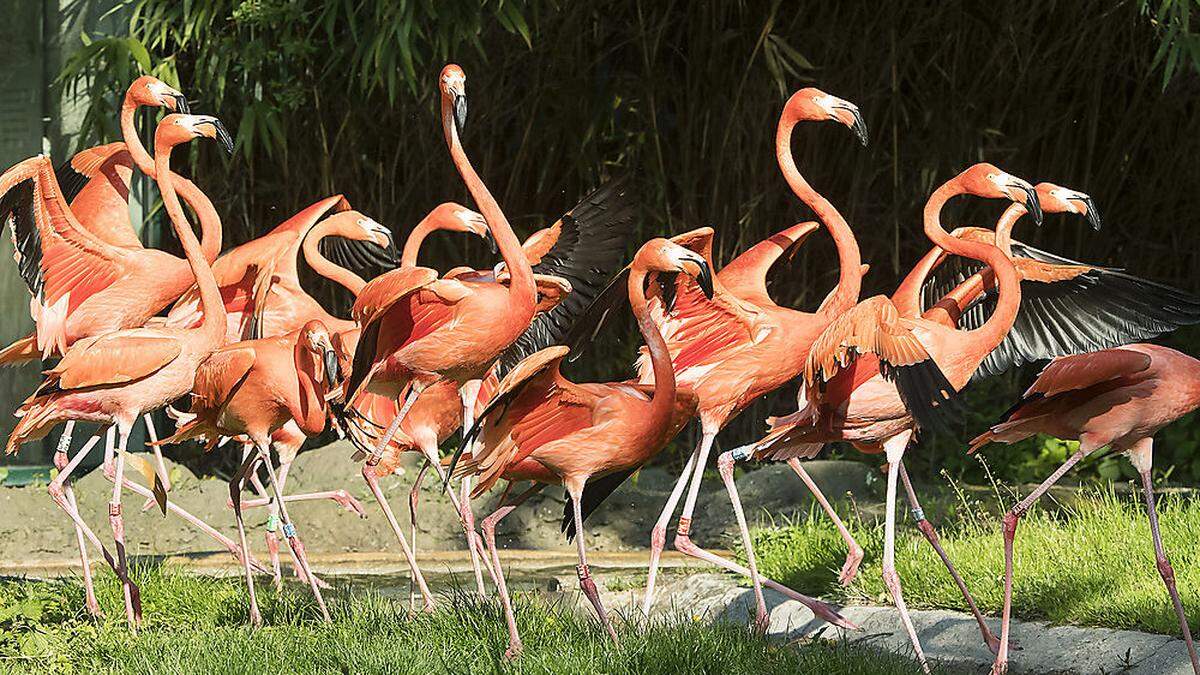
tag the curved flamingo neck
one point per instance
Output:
(992, 332)
(325, 267)
(1004, 226)
(311, 413)
(210, 223)
(522, 286)
(412, 245)
(662, 401)
(129, 133)
(213, 325)
(849, 283)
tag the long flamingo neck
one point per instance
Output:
(213, 325)
(907, 296)
(412, 245)
(662, 402)
(311, 415)
(522, 285)
(1004, 226)
(849, 283)
(325, 267)
(992, 332)
(210, 222)
(133, 142)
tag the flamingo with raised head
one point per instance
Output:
(253, 388)
(541, 427)
(875, 376)
(742, 345)
(114, 378)
(1115, 398)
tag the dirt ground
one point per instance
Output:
(34, 529)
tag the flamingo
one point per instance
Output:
(1115, 398)
(253, 388)
(907, 371)
(542, 427)
(114, 378)
(742, 345)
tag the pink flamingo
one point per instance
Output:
(1118, 399)
(114, 378)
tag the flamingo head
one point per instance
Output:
(987, 181)
(813, 105)
(150, 91)
(314, 337)
(1057, 199)
(663, 255)
(453, 85)
(178, 128)
(455, 217)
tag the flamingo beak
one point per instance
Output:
(703, 276)
(1031, 202)
(181, 104)
(332, 374)
(1089, 209)
(221, 134)
(460, 111)
(859, 125)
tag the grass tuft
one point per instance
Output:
(1092, 563)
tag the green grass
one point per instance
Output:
(198, 624)
(1091, 563)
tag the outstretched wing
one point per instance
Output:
(113, 358)
(590, 247)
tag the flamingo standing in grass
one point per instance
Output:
(114, 378)
(253, 388)
(906, 372)
(742, 345)
(1115, 398)
(542, 427)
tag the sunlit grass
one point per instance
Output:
(198, 625)
(1090, 564)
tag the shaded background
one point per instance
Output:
(341, 97)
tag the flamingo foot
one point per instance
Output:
(854, 558)
(761, 624)
(348, 502)
(513, 652)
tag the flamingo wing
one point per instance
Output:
(746, 275)
(220, 374)
(112, 359)
(1071, 308)
(588, 247)
(1081, 371)
(385, 290)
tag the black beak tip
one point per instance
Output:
(1093, 213)
(223, 136)
(705, 280)
(491, 243)
(1032, 205)
(332, 371)
(460, 112)
(860, 129)
(181, 104)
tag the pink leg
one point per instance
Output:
(414, 496)
(585, 576)
(272, 525)
(469, 393)
(133, 605)
(894, 447)
(58, 494)
(249, 459)
(474, 544)
(368, 473)
(1010, 533)
(289, 531)
(271, 529)
(489, 536)
(931, 536)
(658, 535)
(60, 463)
(340, 497)
(762, 620)
(414, 391)
(854, 553)
(1141, 456)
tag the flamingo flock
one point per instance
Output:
(235, 349)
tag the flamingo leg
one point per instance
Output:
(340, 497)
(658, 536)
(60, 463)
(289, 531)
(489, 536)
(301, 574)
(368, 473)
(894, 447)
(474, 543)
(1141, 457)
(469, 393)
(762, 619)
(162, 482)
(854, 552)
(270, 536)
(931, 536)
(58, 494)
(249, 459)
(585, 576)
(414, 391)
(133, 604)
(1010, 532)
(414, 496)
